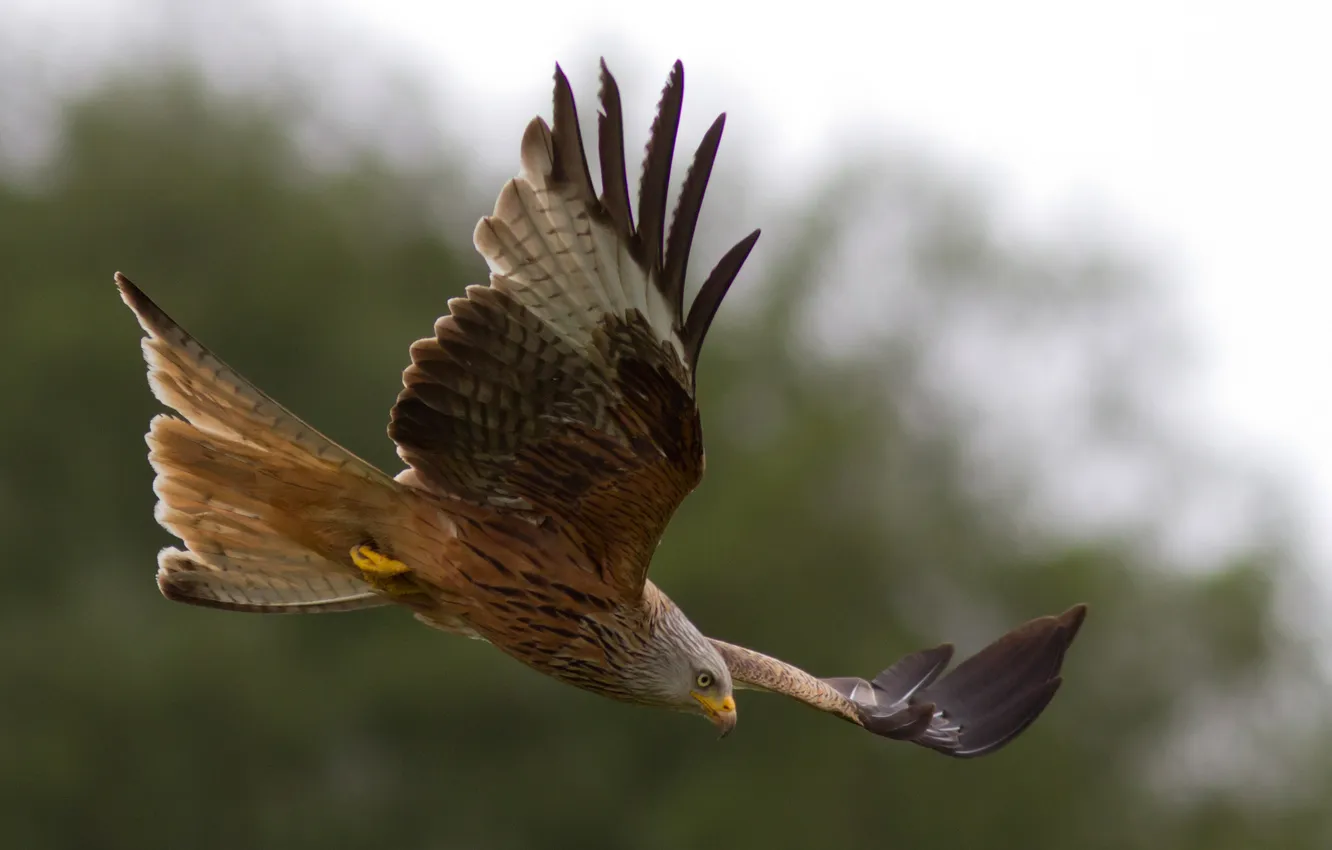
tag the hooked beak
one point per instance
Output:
(721, 713)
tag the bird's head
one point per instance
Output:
(710, 693)
(690, 675)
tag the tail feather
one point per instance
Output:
(224, 583)
(267, 508)
(259, 531)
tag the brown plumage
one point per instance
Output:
(550, 431)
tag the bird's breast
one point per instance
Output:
(546, 605)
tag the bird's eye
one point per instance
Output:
(704, 680)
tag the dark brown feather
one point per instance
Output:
(686, 217)
(995, 694)
(610, 146)
(655, 183)
(984, 702)
(570, 159)
(710, 296)
(493, 383)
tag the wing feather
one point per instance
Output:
(656, 177)
(686, 215)
(565, 387)
(710, 296)
(610, 146)
(982, 704)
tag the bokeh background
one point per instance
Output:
(925, 422)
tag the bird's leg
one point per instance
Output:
(382, 572)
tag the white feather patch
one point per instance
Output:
(545, 249)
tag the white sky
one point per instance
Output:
(1204, 127)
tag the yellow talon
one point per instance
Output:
(375, 565)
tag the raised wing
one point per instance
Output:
(981, 705)
(565, 388)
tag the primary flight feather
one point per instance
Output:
(550, 430)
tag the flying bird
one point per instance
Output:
(550, 430)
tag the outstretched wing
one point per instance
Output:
(565, 388)
(982, 704)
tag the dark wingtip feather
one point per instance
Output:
(980, 705)
(685, 219)
(570, 159)
(665, 263)
(985, 739)
(646, 242)
(1073, 618)
(994, 695)
(912, 673)
(610, 147)
(710, 297)
(655, 182)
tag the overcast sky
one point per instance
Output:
(1201, 128)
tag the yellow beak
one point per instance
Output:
(721, 713)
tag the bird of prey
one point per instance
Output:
(550, 431)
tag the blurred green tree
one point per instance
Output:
(851, 513)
